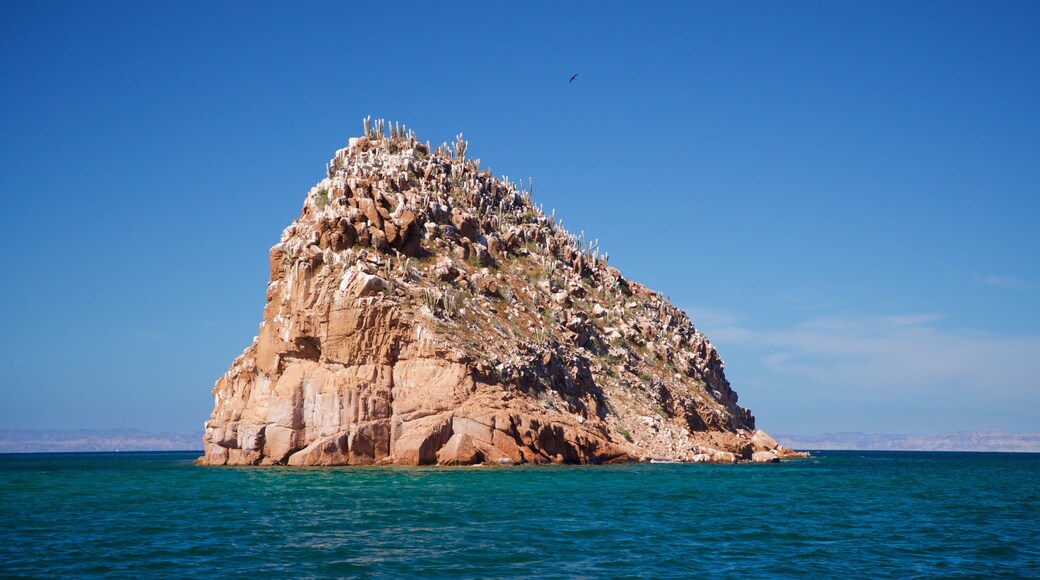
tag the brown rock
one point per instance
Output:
(478, 430)
(467, 225)
(279, 441)
(485, 283)
(352, 365)
(407, 220)
(417, 442)
(495, 245)
(724, 457)
(331, 450)
(507, 446)
(446, 270)
(362, 235)
(379, 241)
(459, 450)
(371, 212)
(483, 256)
(764, 457)
(785, 453)
(370, 443)
(390, 229)
(763, 442)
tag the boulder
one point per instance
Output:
(485, 284)
(467, 225)
(416, 442)
(459, 450)
(331, 450)
(760, 441)
(445, 270)
(764, 457)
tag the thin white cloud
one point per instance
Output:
(912, 319)
(711, 317)
(724, 325)
(901, 355)
(1008, 282)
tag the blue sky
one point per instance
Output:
(844, 196)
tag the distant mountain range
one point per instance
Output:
(66, 440)
(988, 440)
(69, 440)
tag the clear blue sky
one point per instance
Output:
(843, 195)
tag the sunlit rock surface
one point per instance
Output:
(421, 311)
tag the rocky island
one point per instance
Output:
(421, 311)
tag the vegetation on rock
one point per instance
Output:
(421, 310)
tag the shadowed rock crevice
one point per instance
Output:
(421, 311)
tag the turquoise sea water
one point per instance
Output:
(837, 514)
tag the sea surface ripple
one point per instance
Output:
(863, 514)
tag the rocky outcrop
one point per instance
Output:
(422, 312)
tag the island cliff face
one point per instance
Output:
(421, 311)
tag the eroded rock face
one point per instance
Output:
(422, 312)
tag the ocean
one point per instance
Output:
(860, 514)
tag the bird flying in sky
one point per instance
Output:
(572, 78)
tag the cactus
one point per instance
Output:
(460, 147)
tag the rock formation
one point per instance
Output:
(421, 311)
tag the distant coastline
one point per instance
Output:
(988, 440)
(85, 440)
